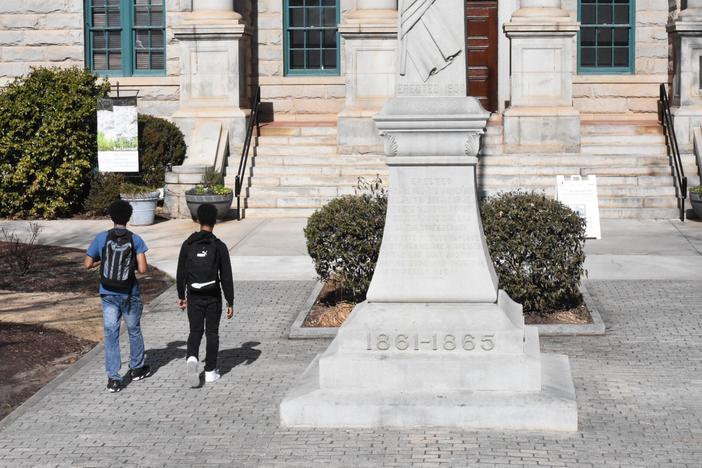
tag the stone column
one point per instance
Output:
(213, 89)
(541, 116)
(686, 97)
(369, 44)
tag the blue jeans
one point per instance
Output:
(114, 307)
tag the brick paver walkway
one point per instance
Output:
(639, 391)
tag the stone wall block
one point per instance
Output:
(62, 21)
(63, 53)
(52, 37)
(649, 105)
(24, 54)
(602, 105)
(29, 21)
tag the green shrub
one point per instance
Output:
(47, 141)
(343, 239)
(104, 189)
(536, 244)
(161, 144)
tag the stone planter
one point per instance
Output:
(143, 207)
(696, 201)
(222, 202)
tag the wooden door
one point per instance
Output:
(481, 50)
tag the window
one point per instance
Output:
(311, 37)
(606, 38)
(126, 37)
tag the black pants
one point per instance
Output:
(204, 313)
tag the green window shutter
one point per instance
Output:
(311, 37)
(125, 37)
(606, 41)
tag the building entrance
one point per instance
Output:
(481, 50)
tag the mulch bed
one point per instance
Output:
(331, 310)
(32, 355)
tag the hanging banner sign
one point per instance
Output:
(118, 134)
(580, 195)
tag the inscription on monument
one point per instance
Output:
(436, 216)
(434, 342)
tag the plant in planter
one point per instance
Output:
(143, 200)
(696, 199)
(210, 191)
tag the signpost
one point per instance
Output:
(580, 194)
(118, 141)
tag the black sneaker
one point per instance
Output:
(114, 386)
(138, 374)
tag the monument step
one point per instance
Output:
(602, 190)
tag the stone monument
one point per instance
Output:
(436, 343)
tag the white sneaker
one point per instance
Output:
(211, 376)
(193, 374)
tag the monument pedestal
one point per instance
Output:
(436, 343)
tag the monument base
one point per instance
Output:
(465, 365)
(551, 409)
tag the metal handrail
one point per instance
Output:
(253, 123)
(679, 173)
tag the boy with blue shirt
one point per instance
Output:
(119, 252)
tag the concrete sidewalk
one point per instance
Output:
(274, 249)
(261, 249)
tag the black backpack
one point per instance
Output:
(202, 265)
(118, 261)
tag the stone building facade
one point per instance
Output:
(330, 65)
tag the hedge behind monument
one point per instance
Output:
(161, 144)
(47, 141)
(536, 245)
(343, 239)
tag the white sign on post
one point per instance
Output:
(118, 133)
(580, 195)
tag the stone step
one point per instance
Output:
(265, 140)
(297, 130)
(284, 150)
(639, 213)
(287, 202)
(610, 149)
(278, 212)
(518, 161)
(638, 202)
(514, 181)
(299, 191)
(607, 191)
(599, 139)
(306, 181)
(619, 128)
(327, 161)
(316, 170)
(654, 170)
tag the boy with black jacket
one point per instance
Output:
(204, 272)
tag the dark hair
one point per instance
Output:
(120, 211)
(207, 214)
